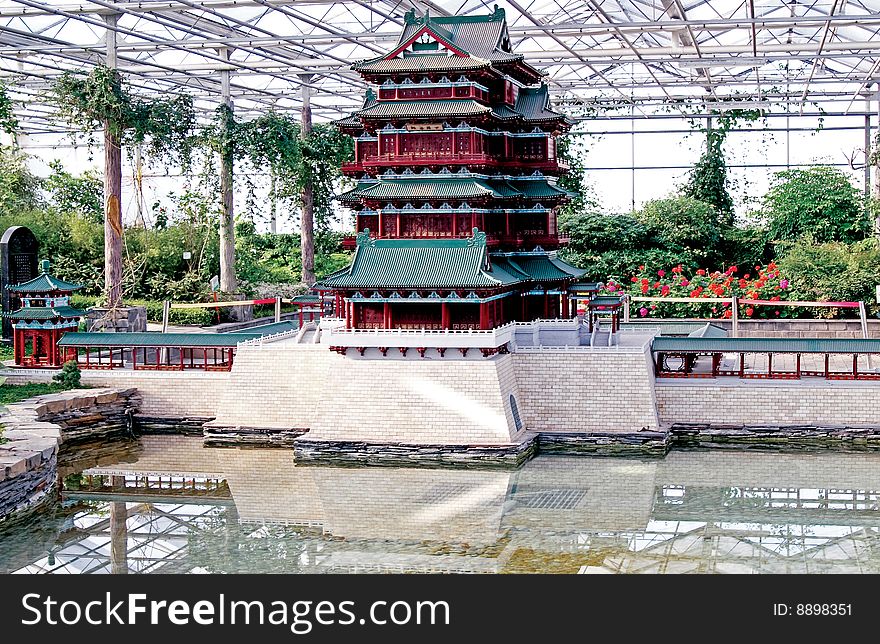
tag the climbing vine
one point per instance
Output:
(273, 144)
(100, 99)
(8, 120)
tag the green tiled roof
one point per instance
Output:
(534, 105)
(484, 37)
(535, 189)
(421, 64)
(505, 113)
(426, 108)
(429, 189)
(540, 267)
(432, 186)
(765, 345)
(586, 286)
(605, 300)
(420, 263)
(44, 283)
(151, 339)
(44, 313)
(353, 195)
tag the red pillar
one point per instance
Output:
(381, 226)
(386, 315)
(484, 316)
(444, 315)
(17, 344)
(565, 304)
(546, 305)
(398, 225)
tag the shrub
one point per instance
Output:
(69, 376)
(833, 271)
(819, 201)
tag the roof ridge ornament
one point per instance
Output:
(363, 238)
(478, 238)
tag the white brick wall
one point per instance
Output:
(166, 393)
(749, 402)
(414, 401)
(586, 391)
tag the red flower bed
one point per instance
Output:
(765, 283)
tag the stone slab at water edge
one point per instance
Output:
(36, 428)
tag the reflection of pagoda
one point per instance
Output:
(455, 156)
(45, 315)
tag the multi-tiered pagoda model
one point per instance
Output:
(456, 196)
(44, 316)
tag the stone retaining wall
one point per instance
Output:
(35, 429)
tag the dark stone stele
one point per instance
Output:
(18, 263)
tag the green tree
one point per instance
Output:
(82, 195)
(162, 125)
(819, 201)
(684, 225)
(19, 188)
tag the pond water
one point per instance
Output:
(167, 504)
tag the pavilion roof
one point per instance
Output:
(421, 264)
(478, 40)
(44, 283)
(44, 313)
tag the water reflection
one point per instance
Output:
(170, 505)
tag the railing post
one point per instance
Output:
(734, 316)
(277, 309)
(626, 302)
(166, 312)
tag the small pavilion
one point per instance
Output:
(43, 317)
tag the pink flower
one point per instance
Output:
(661, 272)
(643, 311)
(664, 291)
(783, 284)
(684, 282)
(612, 288)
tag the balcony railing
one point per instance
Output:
(452, 158)
(548, 242)
(418, 338)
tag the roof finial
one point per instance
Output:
(410, 17)
(477, 238)
(45, 266)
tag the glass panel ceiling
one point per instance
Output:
(645, 56)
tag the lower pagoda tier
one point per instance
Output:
(452, 284)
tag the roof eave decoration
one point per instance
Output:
(444, 39)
